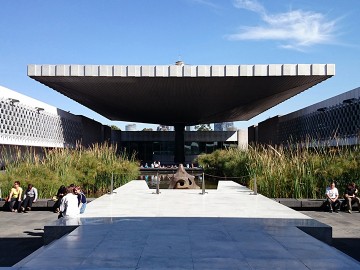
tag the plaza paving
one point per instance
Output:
(345, 230)
(228, 228)
(21, 234)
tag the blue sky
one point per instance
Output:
(160, 32)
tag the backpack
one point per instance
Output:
(83, 198)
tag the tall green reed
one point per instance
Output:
(295, 171)
(91, 168)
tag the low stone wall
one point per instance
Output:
(307, 204)
(296, 204)
(43, 204)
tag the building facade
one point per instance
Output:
(224, 126)
(333, 121)
(28, 122)
(25, 121)
(152, 146)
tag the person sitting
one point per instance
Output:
(81, 199)
(30, 196)
(350, 196)
(15, 197)
(332, 198)
(60, 194)
(69, 204)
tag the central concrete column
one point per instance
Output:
(179, 155)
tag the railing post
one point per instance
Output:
(203, 184)
(112, 183)
(157, 183)
(255, 186)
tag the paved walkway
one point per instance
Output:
(346, 232)
(226, 229)
(21, 234)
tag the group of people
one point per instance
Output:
(155, 164)
(350, 196)
(70, 201)
(20, 201)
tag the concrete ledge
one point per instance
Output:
(303, 204)
(63, 226)
(53, 232)
(44, 204)
(41, 203)
(308, 204)
(318, 204)
(297, 204)
(322, 233)
(292, 203)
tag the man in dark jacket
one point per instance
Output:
(350, 196)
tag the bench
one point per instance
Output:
(43, 204)
(308, 204)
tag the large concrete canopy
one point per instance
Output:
(181, 94)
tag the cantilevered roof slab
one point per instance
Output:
(186, 94)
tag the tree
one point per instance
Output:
(203, 127)
(113, 127)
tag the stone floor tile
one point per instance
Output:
(220, 264)
(224, 229)
(323, 263)
(118, 263)
(165, 263)
(281, 264)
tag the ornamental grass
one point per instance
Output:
(92, 168)
(298, 171)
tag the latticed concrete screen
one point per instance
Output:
(23, 125)
(339, 121)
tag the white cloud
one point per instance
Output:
(207, 3)
(252, 5)
(296, 29)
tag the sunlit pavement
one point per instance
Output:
(228, 228)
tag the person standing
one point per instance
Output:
(81, 199)
(350, 196)
(332, 198)
(30, 196)
(15, 197)
(69, 204)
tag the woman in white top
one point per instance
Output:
(69, 204)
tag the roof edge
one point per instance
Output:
(34, 70)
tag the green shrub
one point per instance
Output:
(91, 168)
(295, 172)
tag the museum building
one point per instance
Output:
(335, 121)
